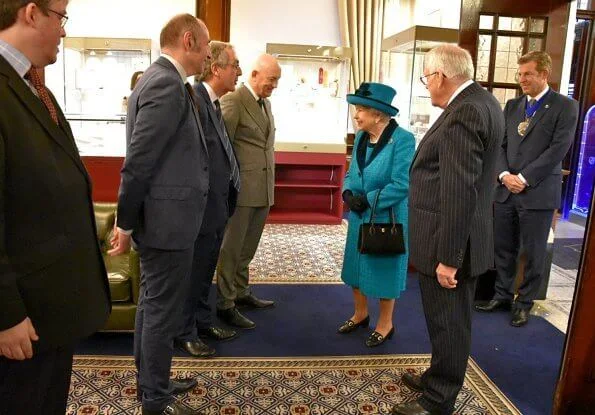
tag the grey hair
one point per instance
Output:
(218, 57)
(452, 60)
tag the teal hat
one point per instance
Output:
(374, 95)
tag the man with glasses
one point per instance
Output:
(450, 220)
(540, 127)
(53, 284)
(218, 78)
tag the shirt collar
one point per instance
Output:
(177, 65)
(459, 90)
(15, 58)
(247, 85)
(211, 93)
(540, 95)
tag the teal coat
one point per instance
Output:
(387, 170)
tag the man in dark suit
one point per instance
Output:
(53, 284)
(450, 220)
(540, 127)
(163, 194)
(251, 128)
(219, 77)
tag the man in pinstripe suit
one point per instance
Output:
(452, 180)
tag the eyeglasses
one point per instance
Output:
(63, 17)
(424, 79)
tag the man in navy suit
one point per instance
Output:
(162, 199)
(219, 77)
(450, 220)
(540, 127)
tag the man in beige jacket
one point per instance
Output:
(251, 129)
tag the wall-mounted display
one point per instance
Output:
(309, 105)
(91, 81)
(402, 66)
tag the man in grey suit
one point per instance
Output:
(540, 127)
(163, 194)
(450, 220)
(219, 77)
(251, 128)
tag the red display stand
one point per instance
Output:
(307, 185)
(308, 188)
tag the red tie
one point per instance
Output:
(42, 92)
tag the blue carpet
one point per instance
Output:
(306, 317)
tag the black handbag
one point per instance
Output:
(381, 238)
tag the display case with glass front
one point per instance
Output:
(92, 82)
(309, 105)
(402, 66)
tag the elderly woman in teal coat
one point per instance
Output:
(382, 154)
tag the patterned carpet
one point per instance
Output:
(288, 386)
(299, 254)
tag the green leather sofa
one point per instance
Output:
(123, 272)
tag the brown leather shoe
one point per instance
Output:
(173, 408)
(234, 318)
(412, 381)
(217, 333)
(196, 348)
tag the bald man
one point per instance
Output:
(251, 129)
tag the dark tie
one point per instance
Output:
(191, 92)
(235, 171)
(33, 76)
(262, 107)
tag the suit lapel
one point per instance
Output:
(255, 111)
(60, 135)
(211, 111)
(545, 106)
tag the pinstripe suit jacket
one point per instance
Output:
(452, 181)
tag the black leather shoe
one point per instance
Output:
(412, 381)
(234, 318)
(250, 301)
(493, 305)
(376, 339)
(217, 333)
(195, 348)
(173, 408)
(179, 386)
(410, 408)
(519, 318)
(351, 325)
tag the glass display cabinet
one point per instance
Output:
(91, 81)
(401, 67)
(311, 116)
(585, 176)
(309, 103)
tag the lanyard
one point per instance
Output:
(530, 110)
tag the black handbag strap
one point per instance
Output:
(373, 213)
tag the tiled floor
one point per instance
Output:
(556, 307)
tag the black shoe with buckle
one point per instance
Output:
(251, 301)
(376, 339)
(351, 325)
(178, 387)
(217, 333)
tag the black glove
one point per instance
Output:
(357, 203)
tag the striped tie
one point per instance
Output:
(33, 76)
(235, 172)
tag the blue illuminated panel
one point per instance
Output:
(586, 167)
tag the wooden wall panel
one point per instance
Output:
(216, 15)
